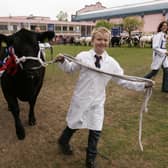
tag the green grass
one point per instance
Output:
(119, 139)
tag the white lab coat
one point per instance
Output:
(87, 105)
(159, 50)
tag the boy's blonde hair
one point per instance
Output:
(100, 30)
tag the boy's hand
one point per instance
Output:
(59, 58)
(149, 84)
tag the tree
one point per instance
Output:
(62, 16)
(104, 23)
(130, 24)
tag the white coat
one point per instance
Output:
(159, 50)
(87, 105)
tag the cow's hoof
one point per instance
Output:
(9, 108)
(20, 133)
(32, 122)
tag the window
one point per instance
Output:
(77, 29)
(58, 28)
(3, 27)
(64, 28)
(42, 27)
(15, 27)
(71, 28)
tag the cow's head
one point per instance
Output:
(25, 44)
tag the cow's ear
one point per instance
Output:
(45, 36)
(46, 40)
(39, 36)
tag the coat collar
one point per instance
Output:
(93, 53)
(162, 33)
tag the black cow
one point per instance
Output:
(115, 41)
(23, 80)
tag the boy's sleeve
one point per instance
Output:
(68, 66)
(138, 86)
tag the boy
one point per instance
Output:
(87, 104)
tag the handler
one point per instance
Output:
(87, 104)
(160, 54)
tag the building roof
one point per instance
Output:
(40, 20)
(88, 8)
(123, 11)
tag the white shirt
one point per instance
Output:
(87, 105)
(159, 50)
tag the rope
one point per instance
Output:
(124, 77)
(148, 91)
(148, 94)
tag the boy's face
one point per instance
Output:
(100, 42)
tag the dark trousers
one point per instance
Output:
(151, 74)
(93, 139)
(164, 80)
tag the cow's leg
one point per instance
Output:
(14, 108)
(32, 119)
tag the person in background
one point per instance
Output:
(160, 54)
(37, 29)
(87, 105)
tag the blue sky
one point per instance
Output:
(51, 8)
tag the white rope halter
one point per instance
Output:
(38, 58)
(25, 58)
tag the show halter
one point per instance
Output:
(38, 58)
(11, 62)
(148, 91)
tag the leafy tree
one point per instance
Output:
(62, 16)
(104, 23)
(130, 24)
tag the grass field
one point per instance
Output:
(119, 140)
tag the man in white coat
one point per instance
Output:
(87, 105)
(160, 54)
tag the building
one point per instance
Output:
(12, 24)
(92, 7)
(151, 13)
